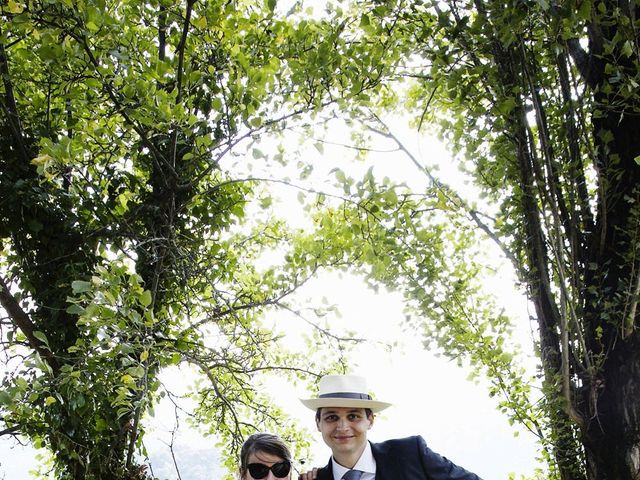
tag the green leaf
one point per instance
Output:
(507, 105)
(627, 49)
(75, 309)
(199, 22)
(544, 4)
(5, 398)
(41, 336)
(146, 298)
(391, 197)
(101, 424)
(80, 286)
(266, 202)
(216, 104)
(15, 7)
(584, 10)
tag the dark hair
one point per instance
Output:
(263, 442)
(368, 411)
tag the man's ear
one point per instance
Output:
(318, 425)
(371, 417)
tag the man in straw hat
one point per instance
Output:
(344, 414)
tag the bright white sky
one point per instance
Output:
(431, 396)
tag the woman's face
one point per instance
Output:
(261, 460)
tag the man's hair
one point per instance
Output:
(368, 411)
(263, 442)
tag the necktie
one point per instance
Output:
(352, 475)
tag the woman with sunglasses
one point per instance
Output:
(264, 456)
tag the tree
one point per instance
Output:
(540, 101)
(124, 236)
(125, 243)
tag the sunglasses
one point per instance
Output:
(260, 470)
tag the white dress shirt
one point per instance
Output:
(366, 463)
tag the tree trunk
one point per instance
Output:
(613, 437)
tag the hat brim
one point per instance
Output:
(316, 403)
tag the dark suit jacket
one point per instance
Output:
(408, 459)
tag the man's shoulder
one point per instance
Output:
(412, 453)
(412, 441)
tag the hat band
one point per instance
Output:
(359, 396)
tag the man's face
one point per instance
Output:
(344, 430)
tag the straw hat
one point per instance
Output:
(344, 391)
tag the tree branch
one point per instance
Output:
(10, 431)
(447, 191)
(11, 108)
(180, 74)
(21, 320)
(582, 61)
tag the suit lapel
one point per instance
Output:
(326, 473)
(385, 468)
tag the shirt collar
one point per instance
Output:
(365, 463)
